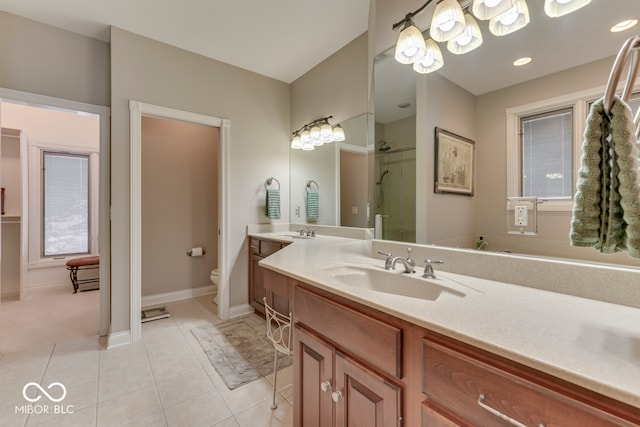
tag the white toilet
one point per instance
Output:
(215, 279)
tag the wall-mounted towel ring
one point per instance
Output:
(308, 186)
(269, 181)
(630, 47)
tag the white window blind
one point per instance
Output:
(547, 155)
(66, 204)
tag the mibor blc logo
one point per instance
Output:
(54, 392)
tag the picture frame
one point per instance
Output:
(454, 163)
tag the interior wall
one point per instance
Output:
(258, 109)
(41, 59)
(443, 218)
(179, 204)
(353, 189)
(337, 86)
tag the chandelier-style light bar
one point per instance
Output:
(461, 31)
(315, 134)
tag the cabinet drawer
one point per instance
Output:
(374, 341)
(268, 248)
(479, 393)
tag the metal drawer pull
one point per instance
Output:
(500, 414)
(326, 386)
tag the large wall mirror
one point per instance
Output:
(338, 175)
(470, 97)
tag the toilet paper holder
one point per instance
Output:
(190, 252)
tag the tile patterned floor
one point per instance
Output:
(163, 380)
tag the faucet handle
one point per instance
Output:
(388, 263)
(409, 250)
(428, 268)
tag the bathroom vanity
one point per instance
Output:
(259, 248)
(468, 352)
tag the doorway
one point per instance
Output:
(46, 124)
(137, 111)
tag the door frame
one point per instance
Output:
(138, 109)
(104, 245)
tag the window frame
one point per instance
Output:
(66, 153)
(578, 103)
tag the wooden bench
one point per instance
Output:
(85, 263)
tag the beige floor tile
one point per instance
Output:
(80, 374)
(229, 422)
(11, 394)
(204, 410)
(129, 407)
(287, 393)
(22, 371)
(80, 418)
(81, 359)
(78, 397)
(9, 417)
(171, 365)
(118, 382)
(241, 398)
(284, 377)
(158, 420)
(184, 387)
(124, 357)
(261, 415)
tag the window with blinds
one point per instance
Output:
(65, 204)
(546, 155)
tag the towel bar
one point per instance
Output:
(269, 181)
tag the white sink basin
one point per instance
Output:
(395, 282)
(288, 235)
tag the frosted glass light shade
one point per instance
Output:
(469, 40)
(308, 146)
(555, 8)
(410, 45)
(305, 137)
(296, 144)
(338, 133)
(487, 9)
(314, 134)
(448, 21)
(512, 20)
(431, 61)
(326, 132)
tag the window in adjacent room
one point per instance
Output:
(65, 204)
(546, 155)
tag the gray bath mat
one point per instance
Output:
(239, 350)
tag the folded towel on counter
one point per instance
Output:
(272, 204)
(606, 212)
(313, 204)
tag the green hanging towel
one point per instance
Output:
(313, 204)
(272, 204)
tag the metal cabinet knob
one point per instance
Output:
(337, 396)
(326, 386)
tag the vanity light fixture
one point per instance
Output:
(463, 34)
(469, 40)
(315, 134)
(448, 21)
(555, 8)
(624, 25)
(431, 61)
(487, 9)
(512, 20)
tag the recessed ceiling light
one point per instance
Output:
(624, 25)
(521, 61)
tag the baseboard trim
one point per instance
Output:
(118, 339)
(10, 293)
(240, 310)
(177, 295)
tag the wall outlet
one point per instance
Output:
(354, 210)
(521, 216)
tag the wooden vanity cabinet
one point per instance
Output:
(259, 277)
(334, 387)
(467, 387)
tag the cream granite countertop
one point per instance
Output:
(590, 343)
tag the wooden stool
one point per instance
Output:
(84, 263)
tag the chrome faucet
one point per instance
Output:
(309, 232)
(408, 263)
(387, 262)
(428, 268)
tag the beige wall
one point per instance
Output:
(258, 108)
(337, 86)
(179, 204)
(354, 192)
(41, 59)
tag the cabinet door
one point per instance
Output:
(364, 398)
(256, 287)
(313, 380)
(433, 418)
